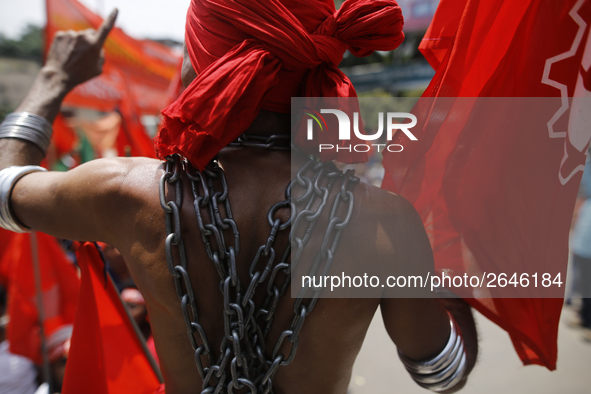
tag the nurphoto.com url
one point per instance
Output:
(434, 282)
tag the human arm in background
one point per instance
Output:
(74, 58)
(420, 327)
(69, 204)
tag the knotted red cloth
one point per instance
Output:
(257, 54)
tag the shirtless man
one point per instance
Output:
(116, 201)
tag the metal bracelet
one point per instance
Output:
(29, 127)
(8, 178)
(444, 370)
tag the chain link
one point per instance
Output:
(243, 361)
(273, 142)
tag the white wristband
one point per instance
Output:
(8, 178)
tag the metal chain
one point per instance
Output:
(243, 360)
(273, 142)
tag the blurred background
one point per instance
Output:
(118, 114)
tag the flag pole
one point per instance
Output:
(39, 293)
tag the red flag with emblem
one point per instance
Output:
(496, 187)
(59, 287)
(106, 355)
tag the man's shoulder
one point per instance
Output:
(389, 209)
(126, 191)
(130, 164)
(124, 175)
(119, 184)
(390, 226)
(117, 167)
(391, 233)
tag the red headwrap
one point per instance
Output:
(257, 54)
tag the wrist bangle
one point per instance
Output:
(8, 178)
(444, 370)
(29, 127)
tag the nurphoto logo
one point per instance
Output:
(392, 120)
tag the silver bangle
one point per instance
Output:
(444, 370)
(8, 178)
(29, 127)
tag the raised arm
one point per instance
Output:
(55, 202)
(74, 58)
(420, 327)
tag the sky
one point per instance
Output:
(139, 18)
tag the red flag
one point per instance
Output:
(6, 263)
(176, 88)
(59, 286)
(64, 138)
(441, 31)
(133, 139)
(148, 67)
(106, 355)
(496, 187)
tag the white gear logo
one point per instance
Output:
(579, 122)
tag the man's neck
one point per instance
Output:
(269, 123)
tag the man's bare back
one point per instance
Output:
(124, 194)
(116, 201)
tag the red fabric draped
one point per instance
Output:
(251, 55)
(496, 186)
(106, 356)
(59, 287)
(64, 137)
(6, 264)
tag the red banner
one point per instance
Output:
(145, 66)
(6, 264)
(106, 356)
(496, 190)
(59, 287)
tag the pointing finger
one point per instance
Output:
(104, 29)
